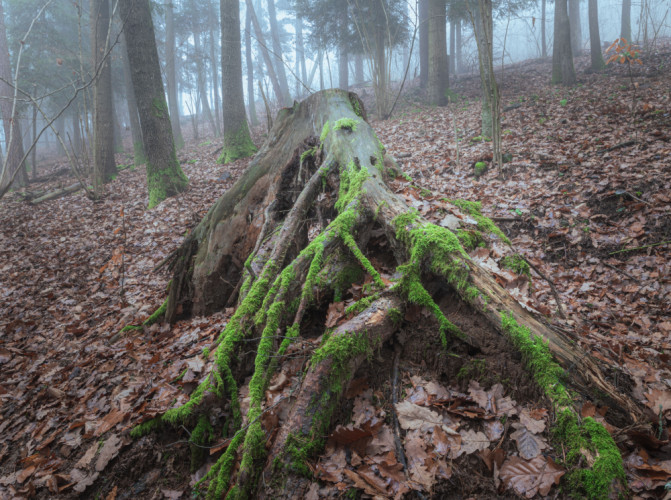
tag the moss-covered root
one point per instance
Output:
(594, 461)
(332, 365)
(237, 144)
(157, 315)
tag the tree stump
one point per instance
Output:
(287, 238)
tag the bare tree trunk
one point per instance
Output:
(358, 69)
(460, 66)
(202, 84)
(562, 56)
(237, 141)
(576, 26)
(625, 30)
(594, 38)
(423, 43)
(215, 27)
(452, 56)
(164, 175)
(171, 74)
(277, 89)
(250, 68)
(33, 154)
(544, 48)
(301, 69)
(438, 62)
(277, 49)
(133, 116)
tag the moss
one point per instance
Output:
(587, 442)
(517, 264)
(163, 183)
(362, 304)
(351, 181)
(146, 428)
(470, 239)
(395, 315)
(479, 169)
(485, 224)
(356, 106)
(201, 435)
(237, 144)
(308, 153)
(157, 315)
(325, 132)
(346, 124)
(159, 107)
(473, 369)
(128, 328)
(206, 352)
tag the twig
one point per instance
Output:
(617, 146)
(560, 308)
(640, 248)
(622, 272)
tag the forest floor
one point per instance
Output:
(585, 197)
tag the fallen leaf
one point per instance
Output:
(527, 478)
(109, 450)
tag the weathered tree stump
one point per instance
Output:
(322, 162)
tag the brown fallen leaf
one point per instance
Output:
(528, 477)
(85, 460)
(25, 474)
(528, 444)
(472, 441)
(109, 450)
(412, 416)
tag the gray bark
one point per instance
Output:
(250, 68)
(171, 75)
(563, 70)
(594, 38)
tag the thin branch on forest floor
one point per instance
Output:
(625, 273)
(641, 247)
(560, 308)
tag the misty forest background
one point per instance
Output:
(145, 140)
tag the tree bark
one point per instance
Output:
(451, 57)
(423, 43)
(13, 169)
(576, 26)
(625, 29)
(133, 116)
(250, 68)
(544, 47)
(277, 89)
(171, 75)
(562, 55)
(460, 67)
(277, 49)
(252, 248)
(594, 39)
(438, 63)
(215, 27)
(343, 68)
(202, 83)
(237, 141)
(164, 174)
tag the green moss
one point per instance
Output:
(346, 124)
(201, 435)
(470, 239)
(585, 442)
(356, 106)
(325, 132)
(473, 369)
(145, 428)
(351, 182)
(128, 328)
(480, 168)
(308, 153)
(157, 315)
(362, 304)
(159, 107)
(395, 315)
(517, 264)
(206, 352)
(237, 144)
(162, 183)
(485, 224)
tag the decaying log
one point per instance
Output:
(253, 248)
(58, 193)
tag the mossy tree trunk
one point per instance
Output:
(134, 117)
(438, 80)
(164, 174)
(323, 165)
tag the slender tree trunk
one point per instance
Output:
(423, 43)
(171, 74)
(438, 63)
(544, 48)
(33, 153)
(277, 89)
(13, 169)
(320, 58)
(452, 57)
(237, 141)
(562, 56)
(118, 137)
(358, 68)
(202, 84)
(133, 117)
(301, 68)
(460, 66)
(250, 68)
(104, 166)
(277, 49)
(594, 38)
(214, 29)
(76, 132)
(625, 30)
(381, 75)
(164, 175)
(576, 26)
